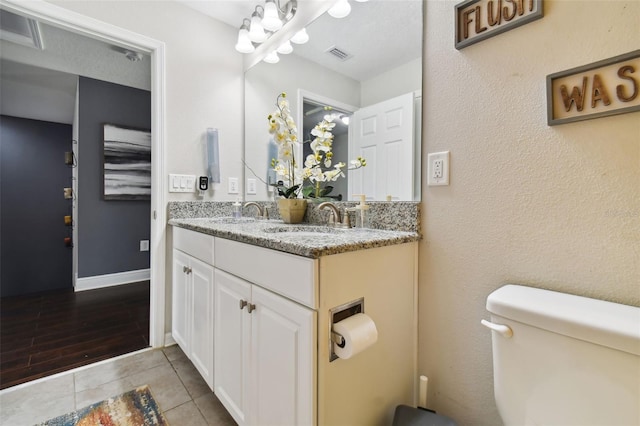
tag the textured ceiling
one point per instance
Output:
(379, 34)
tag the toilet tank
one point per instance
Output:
(570, 360)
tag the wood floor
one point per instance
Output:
(47, 333)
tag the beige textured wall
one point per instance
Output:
(553, 207)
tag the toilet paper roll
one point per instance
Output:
(359, 332)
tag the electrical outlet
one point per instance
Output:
(251, 186)
(438, 168)
(233, 186)
(144, 245)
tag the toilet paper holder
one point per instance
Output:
(337, 314)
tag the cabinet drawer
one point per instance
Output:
(291, 276)
(194, 243)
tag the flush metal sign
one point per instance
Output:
(477, 20)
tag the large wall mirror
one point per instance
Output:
(368, 68)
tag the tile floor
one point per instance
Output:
(176, 385)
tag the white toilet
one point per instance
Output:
(564, 360)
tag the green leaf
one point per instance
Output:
(308, 192)
(326, 190)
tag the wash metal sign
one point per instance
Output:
(477, 20)
(600, 89)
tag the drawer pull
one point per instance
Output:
(251, 307)
(243, 303)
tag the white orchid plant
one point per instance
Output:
(317, 168)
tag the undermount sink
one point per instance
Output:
(304, 230)
(232, 220)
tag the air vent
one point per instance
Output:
(21, 30)
(338, 53)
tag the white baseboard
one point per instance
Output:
(168, 340)
(110, 280)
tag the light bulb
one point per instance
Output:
(244, 44)
(256, 31)
(272, 58)
(341, 9)
(271, 20)
(285, 48)
(301, 37)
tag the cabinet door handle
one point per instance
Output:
(184, 269)
(243, 303)
(251, 307)
(189, 270)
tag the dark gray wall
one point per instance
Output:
(33, 256)
(109, 232)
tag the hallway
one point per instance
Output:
(56, 331)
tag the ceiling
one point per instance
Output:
(34, 79)
(378, 34)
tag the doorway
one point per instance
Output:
(71, 21)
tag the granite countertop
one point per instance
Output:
(306, 240)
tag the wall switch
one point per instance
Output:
(438, 168)
(144, 245)
(233, 186)
(251, 186)
(182, 183)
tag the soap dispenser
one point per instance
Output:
(237, 209)
(362, 212)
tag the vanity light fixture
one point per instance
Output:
(341, 9)
(285, 48)
(301, 37)
(244, 44)
(271, 20)
(256, 30)
(270, 17)
(272, 58)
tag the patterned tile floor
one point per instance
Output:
(176, 385)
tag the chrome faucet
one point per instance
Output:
(262, 211)
(334, 219)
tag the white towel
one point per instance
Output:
(213, 156)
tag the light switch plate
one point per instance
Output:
(233, 186)
(438, 168)
(182, 183)
(251, 186)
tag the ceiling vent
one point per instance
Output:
(338, 53)
(21, 30)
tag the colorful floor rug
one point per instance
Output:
(134, 408)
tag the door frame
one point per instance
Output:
(75, 22)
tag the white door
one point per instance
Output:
(384, 135)
(202, 319)
(181, 300)
(282, 360)
(232, 343)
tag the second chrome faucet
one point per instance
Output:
(334, 218)
(262, 210)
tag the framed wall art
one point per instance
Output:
(127, 163)
(477, 20)
(600, 89)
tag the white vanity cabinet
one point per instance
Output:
(271, 341)
(265, 344)
(193, 298)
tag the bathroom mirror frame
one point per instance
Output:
(264, 81)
